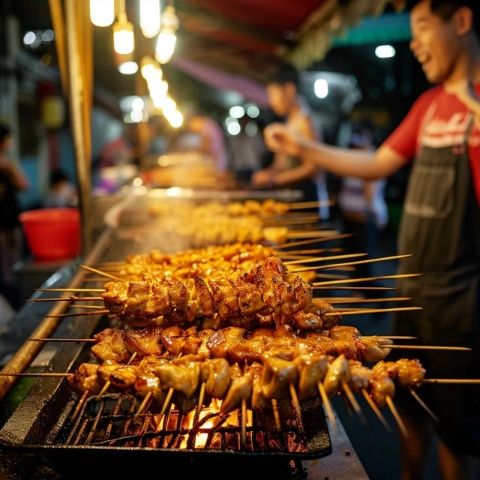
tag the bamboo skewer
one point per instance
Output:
(91, 307)
(458, 381)
(375, 408)
(69, 289)
(201, 397)
(327, 404)
(312, 240)
(354, 288)
(337, 301)
(428, 347)
(276, 415)
(396, 416)
(80, 404)
(165, 405)
(359, 262)
(35, 374)
(367, 279)
(82, 314)
(296, 403)
(367, 311)
(244, 422)
(312, 233)
(353, 401)
(423, 404)
(73, 340)
(313, 251)
(323, 259)
(145, 400)
(310, 204)
(99, 272)
(72, 298)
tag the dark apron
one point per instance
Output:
(441, 227)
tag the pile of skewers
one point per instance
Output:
(233, 323)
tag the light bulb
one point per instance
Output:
(123, 39)
(102, 12)
(128, 68)
(150, 17)
(150, 68)
(165, 46)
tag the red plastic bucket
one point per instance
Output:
(52, 233)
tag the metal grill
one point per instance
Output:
(110, 421)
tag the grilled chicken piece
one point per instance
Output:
(86, 379)
(181, 377)
(258, 400)
(312, 369)
(410, 372)
(111, 346)
(278, 374)
(216, 375)
(241, 388)
(381, 387)
(337, 371)
(374, 348)
(360, 376)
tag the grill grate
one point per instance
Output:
(110, 421)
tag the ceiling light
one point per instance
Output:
(150, 17)
(320, 87)
(167, 37)
(128, 68)
(102, 12)
(237, 111)
(385, 51)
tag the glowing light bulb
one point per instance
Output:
(102, 12)
(123, 39)
(150, 68)
(150, 17)
(167, 37)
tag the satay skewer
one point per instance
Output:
(371, 310)
(71, 298)
(340, 301)
(347, 264)
(367, 279)
(99, 272)
(323, 259)
(396, 416)
(422, 404)
(375, 408)
(300, 243)
(276, 415)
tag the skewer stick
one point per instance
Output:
(372, 310)
(90, 307)
(165, 405)
(459, 381)
(398, 337)
(100, 272)
(72, 340)
(322, 259)
(312, 251)
(354, 288)
(72, 298)
(35, 374)
(375, 408)
(353, 402)
(312, 233)
(327, 404)
(367, 279)
(312, 240)
(309, 204)
(80, 404)
(276, 415)
(108, 383)
(70, 290)
(428, 347)
(82, 314)
(423, 404)
(201, 397)
(296, 403)
(396, 416)
(338, 300)
(145, 400)
(244, 422)
(369, 260)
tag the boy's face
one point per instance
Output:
(435, 42)
(281, 97)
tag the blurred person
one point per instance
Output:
(362, 206)
(440, 226)
(62, 192)
(286, 170)
(12, 180)
(247, 149)
(210, 139)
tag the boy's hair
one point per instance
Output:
(286, 74)
(446, 8)
(5, 132)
